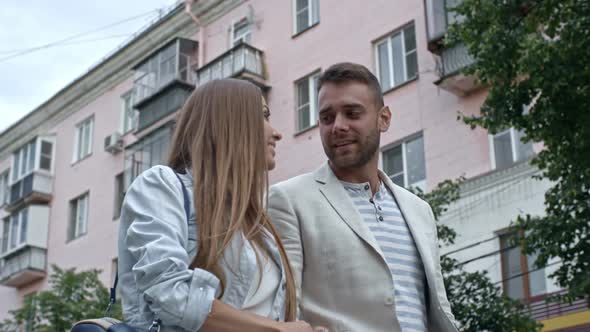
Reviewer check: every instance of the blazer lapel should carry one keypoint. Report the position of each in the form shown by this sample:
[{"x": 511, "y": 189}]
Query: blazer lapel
[
  {"x": 421, "y": 229},
  {"x": 340, "y": 201}
]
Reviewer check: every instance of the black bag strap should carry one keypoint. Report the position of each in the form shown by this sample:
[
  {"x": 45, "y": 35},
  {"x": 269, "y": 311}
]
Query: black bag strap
[{"x": 113, "y": 293}]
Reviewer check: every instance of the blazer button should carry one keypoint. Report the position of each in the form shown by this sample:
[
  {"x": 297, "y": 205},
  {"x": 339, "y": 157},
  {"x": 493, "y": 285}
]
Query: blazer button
[{"x": 388, "y": 300}]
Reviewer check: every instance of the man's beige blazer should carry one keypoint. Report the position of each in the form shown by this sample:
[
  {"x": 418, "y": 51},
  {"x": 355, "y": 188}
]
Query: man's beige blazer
[{"x": 343, "y": 281}]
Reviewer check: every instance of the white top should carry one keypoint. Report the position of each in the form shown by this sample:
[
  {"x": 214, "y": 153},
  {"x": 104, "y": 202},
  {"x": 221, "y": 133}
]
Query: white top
[{"x": 262, "y": 292}]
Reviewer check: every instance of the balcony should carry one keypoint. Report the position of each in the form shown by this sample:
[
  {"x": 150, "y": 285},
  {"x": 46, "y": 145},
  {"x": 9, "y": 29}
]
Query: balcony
[
  {"x": 24, "y": 246},
  {"x": 558, "y": 315},
  {"x": 23, "y": 267},
  {"x": 449, "y": 65},
  {"x": 164, "y": 81},
  {"x": 242, "y": 61},
  {"x": 438, "y": 19},
  {"x": 33, "y": 188}
]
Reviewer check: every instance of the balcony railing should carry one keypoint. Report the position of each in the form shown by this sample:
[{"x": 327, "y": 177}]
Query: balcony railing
[
  {"x": 452, "y": 60},
  {"x": 23, "y": 266},
  {"x": 449, "y": 65},
  {"x": 243, "y": 61},
  {"x": 37, "y": 185},
  {"x": 541, "y": 309}
]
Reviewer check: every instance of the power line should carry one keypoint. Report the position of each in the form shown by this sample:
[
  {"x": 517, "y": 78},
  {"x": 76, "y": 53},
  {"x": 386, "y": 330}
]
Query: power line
[
  {"x": 469, "y": 246},
  {"x": 20, "y": 52},
  {"x": 75, "y": 42},
  {"x": 482, "y": 200},
  {"x": 527, "y": 272},
  {"x": 495, "y": 252}
]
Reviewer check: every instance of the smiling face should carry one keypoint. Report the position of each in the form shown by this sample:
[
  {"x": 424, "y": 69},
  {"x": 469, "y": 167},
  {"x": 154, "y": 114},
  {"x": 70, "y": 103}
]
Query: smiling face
[
  {"x": 271, "y": 137},
  {"x": 350, "y": 124}
]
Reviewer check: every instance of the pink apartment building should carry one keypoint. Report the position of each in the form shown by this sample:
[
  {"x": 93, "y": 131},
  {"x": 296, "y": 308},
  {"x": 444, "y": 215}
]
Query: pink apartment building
[{"x": 65, "y": 166}]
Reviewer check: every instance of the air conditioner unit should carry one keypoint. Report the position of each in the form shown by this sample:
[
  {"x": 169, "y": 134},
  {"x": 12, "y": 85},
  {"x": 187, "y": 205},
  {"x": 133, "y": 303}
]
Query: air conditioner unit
[{"x": 113, "y": 143}]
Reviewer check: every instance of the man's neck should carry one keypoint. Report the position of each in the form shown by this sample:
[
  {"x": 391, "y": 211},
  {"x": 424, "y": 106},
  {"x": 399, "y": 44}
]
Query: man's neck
[{"x": 366, "y": 173}]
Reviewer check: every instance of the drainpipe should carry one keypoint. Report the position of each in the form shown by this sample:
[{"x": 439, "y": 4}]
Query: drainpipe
[{"x": 188, "y": 6}]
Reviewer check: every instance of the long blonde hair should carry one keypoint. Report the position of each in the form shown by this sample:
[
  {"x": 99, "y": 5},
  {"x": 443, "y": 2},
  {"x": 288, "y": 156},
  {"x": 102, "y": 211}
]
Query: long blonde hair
[{"x": 219, "y": 136}]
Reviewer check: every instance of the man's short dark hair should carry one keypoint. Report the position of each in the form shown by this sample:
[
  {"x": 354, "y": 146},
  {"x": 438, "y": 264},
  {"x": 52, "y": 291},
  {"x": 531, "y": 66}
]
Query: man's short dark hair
[{"x": 345, "y": 72}]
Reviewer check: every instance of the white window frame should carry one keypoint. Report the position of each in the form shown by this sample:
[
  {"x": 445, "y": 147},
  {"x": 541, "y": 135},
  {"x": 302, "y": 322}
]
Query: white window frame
[
  {"x": 5, "y": 242},
  {"x": 311, "y": 8},
  {"x": 81, "y": 127},
  {"x": 22, "y": 218},
  {"x": 79, "y": 219},
  {"x": 513, "y": 146},
  {"x": 387, "y": 40},
  {"x": 4, "y": 188},
  {"x": 245, "y": 37},
  {"x": 311, "y": 80},
  {"x": 40, "y": 153},
  {"x": 419, "y": 184},
  {"x": 23, "y": 155},
  {"x": 129, "y": 115},
  {"x": 17, "y": 173}
]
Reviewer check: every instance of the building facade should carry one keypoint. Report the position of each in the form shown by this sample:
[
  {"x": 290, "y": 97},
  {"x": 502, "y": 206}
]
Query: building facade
[{"x": 65, "y": 166}]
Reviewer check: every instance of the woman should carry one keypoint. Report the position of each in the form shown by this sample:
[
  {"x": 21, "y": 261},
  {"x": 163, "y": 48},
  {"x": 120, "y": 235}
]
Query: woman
[{"x": 194, "y": 273}]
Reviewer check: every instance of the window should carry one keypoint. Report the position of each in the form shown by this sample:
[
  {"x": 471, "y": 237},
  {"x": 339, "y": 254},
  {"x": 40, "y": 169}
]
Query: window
[
  {"x": 162, "y": 67},
  {"x": 78, "y": 217},
  {"x": 307, "y": 101},
  {"x": 83, "y": 139},
  {"x": 128, "y": 114},
  {"x": 33, "y": 156},
  {"x": 5, "y": 234},
  {"x": 397, "y": 60},
  {"x": 149, "y": 151},
  {"x": 46, "y": 156},
  {"x": 14, "y": 230},
  {"x": 405, "y": 163},
  {"x": 23, "y": 161},
  {"x": 508, "y": 148},
  {"x": 521, "y": 280},
  {"x": 119, "y": 195},
  {"x": 307, "y": 14},
  {"x": 4, "y": 192},
  {"x": 240, "y": 32}
]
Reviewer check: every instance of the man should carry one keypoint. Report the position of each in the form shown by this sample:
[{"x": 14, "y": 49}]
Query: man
[{"x": 363, "y": 250}]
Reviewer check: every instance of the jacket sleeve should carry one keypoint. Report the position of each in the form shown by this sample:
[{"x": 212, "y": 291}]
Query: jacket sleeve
[
  {"x": 285, "y": 220},
  {"x": 156, "y": 238}
]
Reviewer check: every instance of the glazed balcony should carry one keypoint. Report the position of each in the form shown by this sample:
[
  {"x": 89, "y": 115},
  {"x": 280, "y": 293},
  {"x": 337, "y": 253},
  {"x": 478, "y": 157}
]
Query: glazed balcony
[
  {"x": 164, "y": 81},
  {"x": 241, "y": 61}
]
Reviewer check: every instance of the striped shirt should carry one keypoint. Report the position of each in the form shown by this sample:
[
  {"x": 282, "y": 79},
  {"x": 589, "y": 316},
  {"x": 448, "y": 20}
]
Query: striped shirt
[{"x": 383, "y": 217}]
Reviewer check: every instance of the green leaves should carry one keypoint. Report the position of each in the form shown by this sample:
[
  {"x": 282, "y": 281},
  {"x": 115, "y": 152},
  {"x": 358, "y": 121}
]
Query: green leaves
[
  {"x": 477, "y": 303},
  {"x": 72, "y": 296},
  {"x": 535, "y": 52}
]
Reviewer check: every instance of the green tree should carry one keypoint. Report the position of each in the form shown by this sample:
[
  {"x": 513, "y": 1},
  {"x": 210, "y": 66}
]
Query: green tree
[
  {"x": 536, "y": 53},
  {"x": 73, "y": 296},
  {"x": 478, "y": 304}
]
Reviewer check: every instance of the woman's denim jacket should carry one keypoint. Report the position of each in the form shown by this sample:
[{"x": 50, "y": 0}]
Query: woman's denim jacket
[{"x": 157, "y": 245}]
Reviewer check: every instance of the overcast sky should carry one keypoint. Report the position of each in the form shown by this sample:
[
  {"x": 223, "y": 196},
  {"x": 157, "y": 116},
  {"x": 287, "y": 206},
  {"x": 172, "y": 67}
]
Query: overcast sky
[{"x": 27, "y": 79}]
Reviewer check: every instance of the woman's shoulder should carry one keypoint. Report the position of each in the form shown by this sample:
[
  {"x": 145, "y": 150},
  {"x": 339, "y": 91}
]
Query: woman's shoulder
[
  {"x": 151, "y": 190},
  {"x": 159, "y": 175}
]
